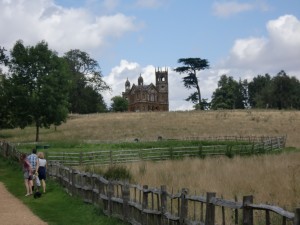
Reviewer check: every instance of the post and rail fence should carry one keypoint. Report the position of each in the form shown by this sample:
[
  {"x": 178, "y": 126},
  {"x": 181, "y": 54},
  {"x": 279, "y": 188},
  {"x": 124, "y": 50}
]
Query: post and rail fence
[
  {"x": 142, "y": 205},
  {"x": 254, "y": 145}
]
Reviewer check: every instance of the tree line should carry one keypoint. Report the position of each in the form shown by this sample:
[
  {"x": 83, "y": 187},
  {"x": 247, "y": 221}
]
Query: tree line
[
  {"x": 40, "y": 88},
  {"x": 279, "y": 92}
]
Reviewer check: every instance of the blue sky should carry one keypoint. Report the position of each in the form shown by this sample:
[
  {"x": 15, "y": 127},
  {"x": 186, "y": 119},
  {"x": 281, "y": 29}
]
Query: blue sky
[{"x": 239, "y": 38}]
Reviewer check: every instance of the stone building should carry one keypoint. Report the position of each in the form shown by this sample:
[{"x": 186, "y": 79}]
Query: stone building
[{"x": 150, "y": 97}]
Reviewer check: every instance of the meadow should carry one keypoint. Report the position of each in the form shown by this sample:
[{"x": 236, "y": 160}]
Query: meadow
[
  {"x": 270, "y": 178},
  {"x": 147, "y": 126}
]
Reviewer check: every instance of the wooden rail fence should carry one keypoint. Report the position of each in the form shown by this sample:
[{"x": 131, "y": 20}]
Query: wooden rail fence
[
  {"x": 143, "y": 205},
  {"x": 256, "y": 145}
]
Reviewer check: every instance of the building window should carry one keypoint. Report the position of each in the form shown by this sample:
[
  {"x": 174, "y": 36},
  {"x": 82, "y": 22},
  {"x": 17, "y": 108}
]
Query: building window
[{"x": 152, "y": 97}]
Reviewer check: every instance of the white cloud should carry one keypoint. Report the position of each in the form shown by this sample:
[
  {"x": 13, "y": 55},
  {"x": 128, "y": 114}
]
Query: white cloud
[
  {"x": 248, "y": 49},
  {"x": 229, "y": 8},
  {"x": 62, "y": 28},
  {"x": 225, "y": 9},
  {"x": 149, "y": 3},
  {"x": 280, "y": 50}
]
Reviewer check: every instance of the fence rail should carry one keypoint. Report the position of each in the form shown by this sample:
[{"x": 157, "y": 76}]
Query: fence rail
[
  {"x": 144, "y": 205},
  {"x": 139, "y": 205},
  {"x": 256, "y": 145}
]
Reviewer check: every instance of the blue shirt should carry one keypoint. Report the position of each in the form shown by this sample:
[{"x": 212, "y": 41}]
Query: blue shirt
[{"x": 32, "y": 158}]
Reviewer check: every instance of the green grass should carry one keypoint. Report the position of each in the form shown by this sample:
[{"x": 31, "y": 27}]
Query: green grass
[
  {"x": 56, "y": 206},
  {"x": 77, "y": 146}
]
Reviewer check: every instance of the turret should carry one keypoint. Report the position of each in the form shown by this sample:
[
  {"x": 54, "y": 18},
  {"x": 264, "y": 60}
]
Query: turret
[{"x": 140, "y": 81}]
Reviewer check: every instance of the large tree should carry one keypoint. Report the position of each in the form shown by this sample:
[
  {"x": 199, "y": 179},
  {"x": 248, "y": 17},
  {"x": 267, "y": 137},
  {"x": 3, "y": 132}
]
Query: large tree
[
  {"x": 284, "y": 89},
  {"x": 230, "y": 94},
  {"x": 87, "y": 83},
  {"x": 190, "y": 67},
  {"x": 7, "y": 118},
  {"x": 259, "y": 91},
  {"x": 38, "y": 86},
  {"x": 119, "y": 104},
  {"x": 279, "y": 92}
]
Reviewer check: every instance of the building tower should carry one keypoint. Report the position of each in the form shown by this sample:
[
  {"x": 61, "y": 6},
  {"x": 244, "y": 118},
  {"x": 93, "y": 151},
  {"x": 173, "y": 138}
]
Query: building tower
[
  {"x": 161, "y": 77},
  {"x": 140, "y": 80},
  {"x": 127, "y": 85}
]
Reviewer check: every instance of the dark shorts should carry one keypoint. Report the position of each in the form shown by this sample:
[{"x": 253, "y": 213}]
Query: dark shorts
[
  {"x": 42, "y": 173},
  {"x": 26, "y": 175}
]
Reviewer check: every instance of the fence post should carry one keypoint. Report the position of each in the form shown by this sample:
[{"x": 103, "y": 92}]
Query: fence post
[
  {"x": 110, "y": 157},
  {"x": 210, "y": 209},
  {"x": 184, "y": 206},
  {"x": 73, "y": 182},
  {"x": 110, "y": 192},
  {"x": 80, "y": 158},
  {"x": 297, "y": 217},
  {"x": 144, "y": 204},
  {"x": 126, "y": 197},
  {"x": 247, "y": 211},
  {"x": 200, "y": 151},
  {"x": 163, "y": 198},
  {"x": 236, "y": 213}
]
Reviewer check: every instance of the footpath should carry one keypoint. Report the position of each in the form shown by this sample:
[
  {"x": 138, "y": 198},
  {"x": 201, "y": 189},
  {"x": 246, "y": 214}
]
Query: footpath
[{"x": 14, "y": 212}]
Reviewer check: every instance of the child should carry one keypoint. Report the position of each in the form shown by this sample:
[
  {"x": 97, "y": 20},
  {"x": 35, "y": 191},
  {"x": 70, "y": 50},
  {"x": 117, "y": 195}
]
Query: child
[{"x": 27, "y": 173}]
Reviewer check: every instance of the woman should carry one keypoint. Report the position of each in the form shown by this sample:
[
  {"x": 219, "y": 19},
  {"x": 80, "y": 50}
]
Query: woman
[
  {"x": 27, "y": 173},
  {"x": 42, "y": 170}
]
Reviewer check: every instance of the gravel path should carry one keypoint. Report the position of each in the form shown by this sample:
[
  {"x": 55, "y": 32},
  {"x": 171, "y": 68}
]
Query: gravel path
[{"x": 14, "y": 212}]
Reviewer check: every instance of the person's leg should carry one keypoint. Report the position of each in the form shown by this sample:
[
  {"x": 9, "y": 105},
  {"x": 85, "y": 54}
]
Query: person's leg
[
  {"x": 30, "y": 184},
  {"x": 44, "y": 185},
  {"x": 27, "y": 187}
]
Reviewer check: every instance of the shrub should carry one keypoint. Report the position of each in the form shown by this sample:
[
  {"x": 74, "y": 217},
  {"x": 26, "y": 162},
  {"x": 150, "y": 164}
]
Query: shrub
[{"x": 117, "y": 173}]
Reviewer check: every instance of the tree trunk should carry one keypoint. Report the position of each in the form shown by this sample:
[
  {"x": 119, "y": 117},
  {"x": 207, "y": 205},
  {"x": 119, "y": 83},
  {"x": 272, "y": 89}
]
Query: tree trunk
[
  {"x": 37, "y": 126},
  {"x": 198, "y": 90},
  {"x": 199, "y": 96}
]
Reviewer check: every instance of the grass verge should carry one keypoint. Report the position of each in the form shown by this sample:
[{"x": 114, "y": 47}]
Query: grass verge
[{"x": 55, "y": 207}]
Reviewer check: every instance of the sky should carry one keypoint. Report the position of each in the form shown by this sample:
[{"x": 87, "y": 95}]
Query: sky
[{"x": 129, "y": 38}]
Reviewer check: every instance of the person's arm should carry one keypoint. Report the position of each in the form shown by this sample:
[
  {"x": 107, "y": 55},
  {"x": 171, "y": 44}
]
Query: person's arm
[
  {"x": 28, "y": 166},
  {"x": 37, "y": 165}
]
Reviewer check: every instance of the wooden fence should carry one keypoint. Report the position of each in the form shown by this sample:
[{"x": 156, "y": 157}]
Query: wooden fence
[
  {"x": 256, "y": 145},
  {"x": 141, "y": 205}
]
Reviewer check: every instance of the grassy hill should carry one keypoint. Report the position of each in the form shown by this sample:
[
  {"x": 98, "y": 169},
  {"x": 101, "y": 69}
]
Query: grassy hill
[{"x": 169, "y": 125}]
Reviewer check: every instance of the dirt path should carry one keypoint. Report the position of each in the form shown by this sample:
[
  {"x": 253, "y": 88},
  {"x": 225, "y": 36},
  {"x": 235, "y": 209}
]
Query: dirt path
[{"x": 14, "y": 212}]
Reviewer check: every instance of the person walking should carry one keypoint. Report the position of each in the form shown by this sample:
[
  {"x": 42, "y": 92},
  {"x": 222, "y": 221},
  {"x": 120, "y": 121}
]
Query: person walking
[
  {"x": 27, "y": 174},
  {"x": 34, "y": 162},
  {"x": 42, "y": 169}
]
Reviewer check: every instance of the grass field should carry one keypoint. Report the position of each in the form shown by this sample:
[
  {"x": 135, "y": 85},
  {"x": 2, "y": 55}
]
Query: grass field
[
  {"x": 270, "y": 178},
  {"x": 148, "y": 126}
]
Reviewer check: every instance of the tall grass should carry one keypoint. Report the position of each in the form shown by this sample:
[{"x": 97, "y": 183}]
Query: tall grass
[
  {"x": 272, "y": 179},
  {"x": 150, "y": 125}
]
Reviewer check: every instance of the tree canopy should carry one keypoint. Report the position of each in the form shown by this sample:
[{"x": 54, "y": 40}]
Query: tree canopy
[
  {"x": 190, "y": 67},
  {"x": 230, "y": 94},
  {"x": 37, "y": 86},
  {"x": 87, "y": 83},
  {"x": 278, "y": 92},
  {"x": 119, "y": 104}
]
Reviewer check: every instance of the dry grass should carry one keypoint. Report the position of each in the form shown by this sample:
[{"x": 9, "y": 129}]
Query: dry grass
[
  {"x": 148, "y": 126},
  {"x": 273, "y": 179}
]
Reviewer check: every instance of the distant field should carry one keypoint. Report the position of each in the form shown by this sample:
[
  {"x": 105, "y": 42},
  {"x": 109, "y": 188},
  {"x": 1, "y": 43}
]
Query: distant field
[{"x": 170, "y": 125}]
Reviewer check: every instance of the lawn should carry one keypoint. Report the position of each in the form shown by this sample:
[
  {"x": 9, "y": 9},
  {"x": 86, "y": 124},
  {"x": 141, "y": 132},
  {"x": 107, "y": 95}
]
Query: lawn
[{"x": 55, "y": 207}]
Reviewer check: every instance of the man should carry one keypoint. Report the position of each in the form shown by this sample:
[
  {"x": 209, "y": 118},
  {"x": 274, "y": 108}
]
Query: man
[{"x": 34, "y": 162}]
